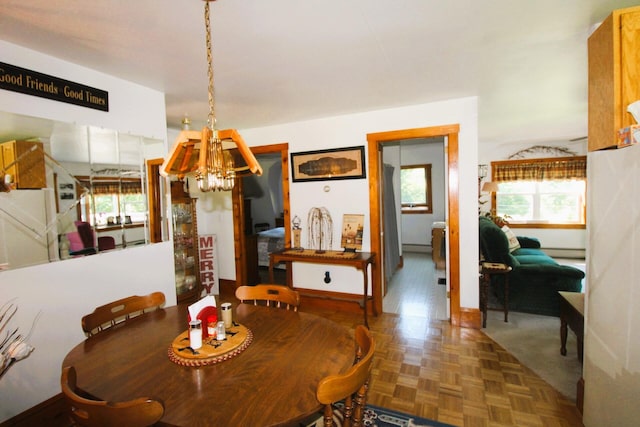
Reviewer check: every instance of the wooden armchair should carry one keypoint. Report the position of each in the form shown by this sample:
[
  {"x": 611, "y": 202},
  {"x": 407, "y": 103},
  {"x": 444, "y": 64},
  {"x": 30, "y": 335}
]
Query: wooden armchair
[
  {"x": 109, "y": 315},
  {"x": 270, "y": 295},
  {"x": 139, "y": 412},
  {"x": 351, "y": 386}
]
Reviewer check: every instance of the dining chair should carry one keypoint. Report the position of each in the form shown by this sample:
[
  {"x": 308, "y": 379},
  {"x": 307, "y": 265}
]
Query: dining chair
[
  {"x": 351, "y": 387},
  {"x": 109, "y": 315},
  {"x": 270, "y": 295},
  {"x": 88, "y": 412}
]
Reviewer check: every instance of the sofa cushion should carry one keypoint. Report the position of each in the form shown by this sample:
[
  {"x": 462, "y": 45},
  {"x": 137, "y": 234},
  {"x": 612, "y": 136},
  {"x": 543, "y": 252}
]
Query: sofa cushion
[
  {"x": 514, "y": 243},
  {"x": 539, "y": 258},
  {"x": 528, "y": 242}
]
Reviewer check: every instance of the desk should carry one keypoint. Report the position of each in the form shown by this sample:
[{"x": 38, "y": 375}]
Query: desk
[
  {"x": 359, "y": 260},
  {"x": 272, "y": 382},
  {"x": 487, "y": 269}
]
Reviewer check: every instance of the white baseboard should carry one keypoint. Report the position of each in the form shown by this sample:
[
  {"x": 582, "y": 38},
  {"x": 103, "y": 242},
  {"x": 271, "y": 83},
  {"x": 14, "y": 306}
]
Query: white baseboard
[
  {"x": 416, "y": 248},
  {"x": 565, "y": 253}
]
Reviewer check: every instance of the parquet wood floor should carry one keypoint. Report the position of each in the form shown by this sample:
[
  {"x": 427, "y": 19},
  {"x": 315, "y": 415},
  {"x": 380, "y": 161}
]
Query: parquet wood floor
[{"x": 429, "y": 368}]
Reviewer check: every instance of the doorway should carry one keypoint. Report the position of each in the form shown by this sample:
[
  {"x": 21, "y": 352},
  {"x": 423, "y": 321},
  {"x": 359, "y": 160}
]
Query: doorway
[
  {"x": 375, "y": 143},
  {"x": 245, "y": 266},
  {"x": 414, "y": 258}
]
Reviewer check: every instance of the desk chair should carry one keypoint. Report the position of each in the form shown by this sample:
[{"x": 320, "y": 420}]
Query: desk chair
[
  {"x": 87, "y": 412},
  {"x": 270, "y": 295},
  {"x": 82, "y": 241},
  {"x": 351, "y": 386},
  {"x": 111, "y": 314}
]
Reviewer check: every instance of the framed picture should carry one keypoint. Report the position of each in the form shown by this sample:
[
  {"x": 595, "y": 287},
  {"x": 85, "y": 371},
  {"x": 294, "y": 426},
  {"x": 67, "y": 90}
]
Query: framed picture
[
  {"x": 322, "y": 165},
  {"x": 352, "y": 230}
]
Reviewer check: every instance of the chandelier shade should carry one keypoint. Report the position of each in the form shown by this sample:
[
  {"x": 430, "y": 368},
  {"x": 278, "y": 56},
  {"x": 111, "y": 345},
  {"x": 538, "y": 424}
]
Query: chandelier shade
[{"x": 191, "y": 151}]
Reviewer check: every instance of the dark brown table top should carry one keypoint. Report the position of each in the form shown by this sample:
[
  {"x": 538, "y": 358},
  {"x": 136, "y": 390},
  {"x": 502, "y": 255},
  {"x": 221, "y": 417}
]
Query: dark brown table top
[{"x": 272, "y": 382}]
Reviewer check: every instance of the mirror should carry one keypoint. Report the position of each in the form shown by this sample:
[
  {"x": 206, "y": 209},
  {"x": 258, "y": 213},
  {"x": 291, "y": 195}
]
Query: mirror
[{"x": 92, "y": 175}]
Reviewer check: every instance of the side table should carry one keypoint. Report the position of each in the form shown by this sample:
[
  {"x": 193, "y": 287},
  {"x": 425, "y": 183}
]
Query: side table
[
  {"x": 487, "y": 269},
  {"x": 571, "y": 315}
]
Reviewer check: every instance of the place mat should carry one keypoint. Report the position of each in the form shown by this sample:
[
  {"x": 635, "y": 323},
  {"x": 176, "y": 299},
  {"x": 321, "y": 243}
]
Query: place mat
[
  {"x": 238, "y": 338},
  {"x": 325, "y": 254}
]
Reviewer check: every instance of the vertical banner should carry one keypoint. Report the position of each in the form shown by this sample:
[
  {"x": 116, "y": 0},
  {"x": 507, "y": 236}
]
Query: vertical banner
[{"x": 208, "y": 256}]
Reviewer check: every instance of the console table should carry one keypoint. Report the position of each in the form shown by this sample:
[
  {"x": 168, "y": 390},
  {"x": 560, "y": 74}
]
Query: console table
[{"x": 359, "y": 260}]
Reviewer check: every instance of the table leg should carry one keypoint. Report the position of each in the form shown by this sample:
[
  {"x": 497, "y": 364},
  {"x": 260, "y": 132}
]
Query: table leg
[
  {"x": 484, "y": 291},
  {"x": 506, "y": 298},
  {"x": 563, "y": 336},
  {"x": 271, "y": 262},
  {"x": 580, "y": 350},
  {"x": 366, "y": 286}
]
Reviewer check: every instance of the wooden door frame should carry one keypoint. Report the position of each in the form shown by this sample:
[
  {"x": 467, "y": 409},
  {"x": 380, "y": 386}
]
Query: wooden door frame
[
  {"x": 375, "y": 141},
  {"x": 238, "y": 210}
]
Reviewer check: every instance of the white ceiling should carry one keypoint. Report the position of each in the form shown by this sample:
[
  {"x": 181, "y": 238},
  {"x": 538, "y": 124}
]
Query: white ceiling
[{"x": 280, "y": 61}]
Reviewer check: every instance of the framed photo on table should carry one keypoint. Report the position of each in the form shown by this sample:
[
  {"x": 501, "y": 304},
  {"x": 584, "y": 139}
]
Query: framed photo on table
[
  {"x": 352, "y": 230},
  {"x": 322, "y": 165}
]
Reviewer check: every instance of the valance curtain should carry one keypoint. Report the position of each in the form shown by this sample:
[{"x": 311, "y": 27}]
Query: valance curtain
[
  {"x": 114, "y": 187},
  {"x": 540, "y": 169}
]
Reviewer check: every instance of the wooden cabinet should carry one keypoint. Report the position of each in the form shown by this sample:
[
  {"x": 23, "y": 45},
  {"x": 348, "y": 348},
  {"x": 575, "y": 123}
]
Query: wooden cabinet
[
  {"x": 185, "y": 245},
  {"x": 614, "y": 76},
  {"x": 28, "y": 171}
]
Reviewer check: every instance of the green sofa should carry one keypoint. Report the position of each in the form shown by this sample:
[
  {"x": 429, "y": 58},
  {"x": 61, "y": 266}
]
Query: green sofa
[{"x": 535, "y": 278}]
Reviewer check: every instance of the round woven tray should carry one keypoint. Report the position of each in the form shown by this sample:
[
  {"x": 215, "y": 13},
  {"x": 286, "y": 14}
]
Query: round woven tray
[{"x": 238, "y": 338}]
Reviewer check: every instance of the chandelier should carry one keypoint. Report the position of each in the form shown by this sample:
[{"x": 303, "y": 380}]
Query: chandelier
[{"x": 216, "y": 158}]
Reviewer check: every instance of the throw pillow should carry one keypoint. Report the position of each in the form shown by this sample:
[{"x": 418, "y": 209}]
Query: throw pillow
[{"x": 511, "y": 237}]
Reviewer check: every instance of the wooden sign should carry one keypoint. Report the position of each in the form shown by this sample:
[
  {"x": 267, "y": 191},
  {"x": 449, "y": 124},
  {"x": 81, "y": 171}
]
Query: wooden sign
[
  {"x": 29, "y": 82},
  {"x": 207, "y": 245}
]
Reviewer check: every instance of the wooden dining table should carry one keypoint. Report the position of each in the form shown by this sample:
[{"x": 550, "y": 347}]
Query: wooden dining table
[{"x": 270, "y": 383}]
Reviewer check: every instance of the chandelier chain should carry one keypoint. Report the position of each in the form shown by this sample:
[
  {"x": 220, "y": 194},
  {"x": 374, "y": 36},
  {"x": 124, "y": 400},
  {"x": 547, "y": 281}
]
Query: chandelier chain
[{"x": 212, "y": 113}]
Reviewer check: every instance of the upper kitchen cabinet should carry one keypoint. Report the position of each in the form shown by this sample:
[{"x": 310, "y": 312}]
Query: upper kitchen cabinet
[
  {"x": 614, "y": 76},
  {"x": 23, "y": 161}
]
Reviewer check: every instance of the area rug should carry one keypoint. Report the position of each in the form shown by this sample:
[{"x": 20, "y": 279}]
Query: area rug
[
  {"x": 535, "y": 341},
  {"x": 375, "y": 416}
]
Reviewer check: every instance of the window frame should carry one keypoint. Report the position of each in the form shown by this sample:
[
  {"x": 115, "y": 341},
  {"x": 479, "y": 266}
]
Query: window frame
[
  {"x": 544, "y": 162},
  {"x": 419, "y": 208},
  {"x": 85, "y": 206}
]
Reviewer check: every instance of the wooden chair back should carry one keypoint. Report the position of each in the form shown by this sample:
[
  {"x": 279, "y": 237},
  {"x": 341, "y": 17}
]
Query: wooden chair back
[
  {"x": 139, "y": 412},
  {"x": 351, "y": 386},
  {"x": 109, "y": 315},
  {"x": 270, "y": 295}
]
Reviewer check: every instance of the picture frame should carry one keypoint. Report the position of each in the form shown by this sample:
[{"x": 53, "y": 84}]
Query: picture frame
[
  {"x": 324, "y": 165},
  {"x": 352, "y": 231}
]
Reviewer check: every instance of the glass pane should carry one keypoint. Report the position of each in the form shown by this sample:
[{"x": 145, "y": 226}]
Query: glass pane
[
  {"x": 105, "y": 207},
  {"x": 557, "y": 201},
  {"x": 413, "y": 186},
  {"x": 518, "y": 206},
  {"x": 135, "y": 206}
]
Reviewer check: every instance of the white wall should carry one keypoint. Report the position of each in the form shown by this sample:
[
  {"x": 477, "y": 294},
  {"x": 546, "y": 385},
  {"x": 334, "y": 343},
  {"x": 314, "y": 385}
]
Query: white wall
[
  {"x": 66, "y": 290},
  {"x": 352, "y": 196}
]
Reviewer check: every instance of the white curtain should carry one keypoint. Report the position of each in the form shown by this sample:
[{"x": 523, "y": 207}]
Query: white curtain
[{"x": 391, "y": 239}]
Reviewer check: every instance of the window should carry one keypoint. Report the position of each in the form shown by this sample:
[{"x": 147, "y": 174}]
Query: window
[
  {"x": 415, "y": 189},
  {"x": 114, "y": 202},
  {"x": 542, "y": 192}
]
